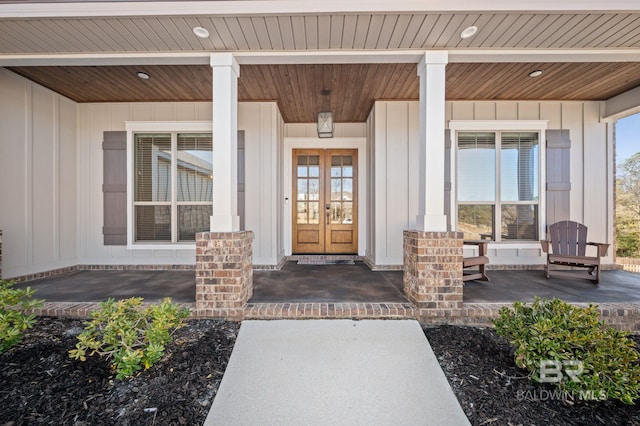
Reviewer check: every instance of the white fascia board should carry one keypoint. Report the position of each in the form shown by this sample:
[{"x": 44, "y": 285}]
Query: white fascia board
[
  {"x": 330, "y": 57},
  {"x": 266, "y": 7},
  {"x": 623, "y": 105},
  {"x": 323, "y": 57},
  {"x": 105, "y": 59},
  {"x": 544, "y": 55}
]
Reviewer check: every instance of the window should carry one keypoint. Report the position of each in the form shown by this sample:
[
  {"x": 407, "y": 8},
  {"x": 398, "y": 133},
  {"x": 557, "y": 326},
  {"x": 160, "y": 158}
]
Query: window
[
  {"x": 172, "y": 186},
  {"x": 498, "y": 185}
]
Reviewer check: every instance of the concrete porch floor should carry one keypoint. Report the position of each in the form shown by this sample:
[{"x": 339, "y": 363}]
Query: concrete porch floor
[
  {"x": 332, "y": 284},
  {"x": 327, "y": 283},
  {"x": 342, "y": 291}
]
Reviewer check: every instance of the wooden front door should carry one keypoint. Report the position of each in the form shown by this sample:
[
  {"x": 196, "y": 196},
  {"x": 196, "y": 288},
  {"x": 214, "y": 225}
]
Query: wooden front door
[{"x": 325, "y": 207}]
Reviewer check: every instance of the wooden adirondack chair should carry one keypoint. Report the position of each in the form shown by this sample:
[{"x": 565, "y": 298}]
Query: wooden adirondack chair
[{"x": 568, "y": 244}]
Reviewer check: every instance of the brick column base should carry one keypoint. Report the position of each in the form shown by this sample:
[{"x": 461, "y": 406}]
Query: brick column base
[
  {"x": 224, "y": 273},
  {"x": 433, "y": 273}
]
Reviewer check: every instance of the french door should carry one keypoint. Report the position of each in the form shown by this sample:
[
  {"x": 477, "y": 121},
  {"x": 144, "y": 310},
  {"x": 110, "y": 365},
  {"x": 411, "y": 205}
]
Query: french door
[{"x": 325, "y": 207}]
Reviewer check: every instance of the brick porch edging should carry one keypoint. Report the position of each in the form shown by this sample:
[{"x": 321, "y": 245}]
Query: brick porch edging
[
  {"x": 623, "y": 316},
  {"x": 269, "y": 311}
]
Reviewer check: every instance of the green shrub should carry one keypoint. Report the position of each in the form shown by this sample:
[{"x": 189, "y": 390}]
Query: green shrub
[
  {"x": 12, "y": 320},
  {"x": 554, "y": 330},
  {"x": 128, "y": 334}
]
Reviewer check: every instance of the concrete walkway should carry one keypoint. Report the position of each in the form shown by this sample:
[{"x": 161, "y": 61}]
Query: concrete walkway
[{"x": 334, "y": 372}]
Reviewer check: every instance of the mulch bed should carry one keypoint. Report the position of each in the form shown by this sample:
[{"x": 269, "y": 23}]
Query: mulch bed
[
  {"x": 42, "y": 385},
  {"x": 492, "y": 390}
]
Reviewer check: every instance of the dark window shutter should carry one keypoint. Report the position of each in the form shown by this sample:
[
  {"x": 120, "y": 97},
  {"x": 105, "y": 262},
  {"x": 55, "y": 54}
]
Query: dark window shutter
[
  {"x": 114, "y": 188},
  {"x": 558, "y": 176},
  {"x": 447, "y": 177}
]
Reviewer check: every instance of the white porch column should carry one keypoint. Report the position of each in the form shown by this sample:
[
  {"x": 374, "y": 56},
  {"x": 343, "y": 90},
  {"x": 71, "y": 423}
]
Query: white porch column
[
  {"x": 225, "y": 143},
  {"x": 431, "y": 214}
]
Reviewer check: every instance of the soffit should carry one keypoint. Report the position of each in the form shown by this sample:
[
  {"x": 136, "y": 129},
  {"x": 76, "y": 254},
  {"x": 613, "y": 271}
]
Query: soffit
[
  {"x": 302, "y": 32},
  {"x": 354, "y": 87},
  {"x": 297, "y": 87}
]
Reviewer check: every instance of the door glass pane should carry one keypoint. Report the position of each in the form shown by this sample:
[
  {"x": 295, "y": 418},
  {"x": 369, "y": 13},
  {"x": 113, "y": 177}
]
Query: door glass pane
[
  {"x": 314, "y": 160},
  {"x": 303, "y": 160},
  {"x": 314, "y": 213},
  {"x": 476, "y": 221},
  {"x": 336, "y": 189},
  {"x": 314, "y": 171},
  {"x": 347, "y": 213},
  {"x": 303, "y": 187},
  {"x": 152, "y": 164},
  {"x": 314, "y": 189},
  {"x": 347, "y": 169},
  {"x": 347, "y": 189},
  {"x": 192, "y": 219},
  {"x": 302, "y": 213},
  {"x": 302, "y": 171},
  {"x": 195, "y": 171},
  {"x": 336, "y": 163},
  {"x": 336, "y": 212},
  {"x": 519, "y": 222}
]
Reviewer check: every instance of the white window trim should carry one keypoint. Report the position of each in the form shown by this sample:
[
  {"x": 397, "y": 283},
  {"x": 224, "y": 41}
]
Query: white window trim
[
  {"x": 154, "y": 126},
  {"x": 539, "y": 126}
]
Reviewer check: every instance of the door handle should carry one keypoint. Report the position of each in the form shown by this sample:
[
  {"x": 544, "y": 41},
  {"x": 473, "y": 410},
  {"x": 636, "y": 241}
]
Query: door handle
[{"x": 328, "y": 209}]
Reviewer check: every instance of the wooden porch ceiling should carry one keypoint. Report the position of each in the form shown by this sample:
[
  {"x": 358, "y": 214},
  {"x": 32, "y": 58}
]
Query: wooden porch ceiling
[{"x": 354, "y": 87}]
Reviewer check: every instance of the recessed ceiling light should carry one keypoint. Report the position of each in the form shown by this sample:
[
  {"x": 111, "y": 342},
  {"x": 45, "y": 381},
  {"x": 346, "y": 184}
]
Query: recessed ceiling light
[
  {"x": 201, "y": 32},
  {"x": 536, "y": 73},
  {"x": 469, "y": 32},
  {"x": 143, "y": 75}
]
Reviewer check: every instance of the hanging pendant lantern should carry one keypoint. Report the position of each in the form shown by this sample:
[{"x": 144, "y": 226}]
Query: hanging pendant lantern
[{"x": 325, "y": 119}]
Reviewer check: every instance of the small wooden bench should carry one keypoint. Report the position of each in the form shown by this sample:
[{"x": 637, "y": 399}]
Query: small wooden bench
[{"x": 481, "y": 260}]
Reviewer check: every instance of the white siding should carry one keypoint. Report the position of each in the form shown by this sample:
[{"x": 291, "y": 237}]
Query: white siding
[
  {"x": 37, "y": 177},
  {"x": 262, "y": 124},
  {"x": 393, "y": 142},
  {"x": 94, "y": 120},
  {"x": 51, "y": 174},
  {"x": 392, "y": 131},
  {"x": 259, "y": 121},
  {"x": 591, "y": 163}
]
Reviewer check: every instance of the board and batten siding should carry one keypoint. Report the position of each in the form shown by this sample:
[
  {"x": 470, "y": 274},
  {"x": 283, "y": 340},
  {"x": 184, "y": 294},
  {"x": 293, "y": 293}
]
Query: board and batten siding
[
  {"x": 262, "y": 125},
  {"x": 258, "y": 120},
  {"x": 393, "y": 133},
  {"x": 37, "y": 177},
  {"x": 591, "y": 162},
  {"x": 393, "y": 125}
]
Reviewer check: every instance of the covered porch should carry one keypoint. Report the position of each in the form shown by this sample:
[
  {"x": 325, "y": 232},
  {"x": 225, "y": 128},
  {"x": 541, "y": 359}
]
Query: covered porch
[
  {"x": 343, "y": 291},
  {"x": 105, "y": 177}
]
